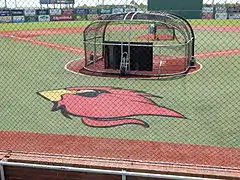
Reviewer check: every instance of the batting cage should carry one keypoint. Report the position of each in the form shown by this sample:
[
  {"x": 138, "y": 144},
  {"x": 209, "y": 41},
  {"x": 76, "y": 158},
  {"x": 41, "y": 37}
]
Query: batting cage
[{"x": 141, "y": 44}]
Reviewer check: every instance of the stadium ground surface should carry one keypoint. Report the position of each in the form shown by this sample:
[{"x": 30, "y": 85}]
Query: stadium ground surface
[{"x": 202, "y": 139}]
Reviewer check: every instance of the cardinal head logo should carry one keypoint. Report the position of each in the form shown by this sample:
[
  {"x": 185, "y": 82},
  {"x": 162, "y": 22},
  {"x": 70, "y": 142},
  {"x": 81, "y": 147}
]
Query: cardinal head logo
[{"x": 106, "y": 106}]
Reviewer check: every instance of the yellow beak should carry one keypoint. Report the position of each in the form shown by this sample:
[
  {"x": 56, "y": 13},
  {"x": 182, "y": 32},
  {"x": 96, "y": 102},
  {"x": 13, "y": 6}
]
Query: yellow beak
[{"x": 55, "y": 95}]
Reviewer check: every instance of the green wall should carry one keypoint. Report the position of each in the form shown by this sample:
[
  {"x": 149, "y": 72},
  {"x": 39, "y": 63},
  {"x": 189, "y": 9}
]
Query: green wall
[{"x": 190, "y": 9}]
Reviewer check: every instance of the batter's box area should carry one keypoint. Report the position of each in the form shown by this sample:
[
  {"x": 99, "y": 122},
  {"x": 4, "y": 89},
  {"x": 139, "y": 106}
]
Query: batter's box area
[{"x": 164, "y": 65}]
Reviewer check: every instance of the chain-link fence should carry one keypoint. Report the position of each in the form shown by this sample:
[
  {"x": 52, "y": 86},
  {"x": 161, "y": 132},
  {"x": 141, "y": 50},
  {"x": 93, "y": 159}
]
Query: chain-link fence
[{"x": 129, "y": 86}]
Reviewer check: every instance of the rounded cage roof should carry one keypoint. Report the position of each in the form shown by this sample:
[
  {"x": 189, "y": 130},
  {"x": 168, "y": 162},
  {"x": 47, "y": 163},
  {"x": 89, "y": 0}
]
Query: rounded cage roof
[{"x": 171, "y": 20}]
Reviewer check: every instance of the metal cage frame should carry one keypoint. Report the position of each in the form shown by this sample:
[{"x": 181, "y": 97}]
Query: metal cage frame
[{"x": 99, "y": 29}]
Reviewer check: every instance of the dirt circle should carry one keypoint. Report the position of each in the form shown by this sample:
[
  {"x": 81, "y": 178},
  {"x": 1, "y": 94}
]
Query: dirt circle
[{"x": 78, "y": 67}]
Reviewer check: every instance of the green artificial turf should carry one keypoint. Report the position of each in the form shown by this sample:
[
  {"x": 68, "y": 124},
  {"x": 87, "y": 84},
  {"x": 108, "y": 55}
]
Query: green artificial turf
[
  {"x": 215, "y": 22},
  {"x": 208, "y": 99},
  {"x": 40, "y": 25}
]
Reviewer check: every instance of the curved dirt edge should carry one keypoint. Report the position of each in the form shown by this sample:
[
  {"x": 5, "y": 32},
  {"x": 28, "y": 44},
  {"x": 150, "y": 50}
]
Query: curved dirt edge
[{"x": 79, "y": 70}]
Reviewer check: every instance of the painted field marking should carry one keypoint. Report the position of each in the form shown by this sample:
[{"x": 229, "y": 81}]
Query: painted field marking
[
  {"x": 81, "y": 50},
  {"x": 50, "y": 44},
  {"x": 71, "y": 71}
]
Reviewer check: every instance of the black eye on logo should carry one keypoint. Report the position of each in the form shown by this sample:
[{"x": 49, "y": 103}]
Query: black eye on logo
[{"x": 91, "y": 93}]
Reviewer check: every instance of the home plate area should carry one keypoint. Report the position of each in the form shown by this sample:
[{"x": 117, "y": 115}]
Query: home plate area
[{"x": 167, "y": 65}]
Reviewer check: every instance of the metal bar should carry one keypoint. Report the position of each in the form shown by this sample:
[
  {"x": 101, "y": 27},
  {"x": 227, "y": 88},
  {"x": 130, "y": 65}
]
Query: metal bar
[
  {"x": 91, "y": 38},
  {"x": 100, "y": 171},
  {"x": 2, "y": 172},
  {"x": 141, "y": 74},
  {"x": 170, "y": 45},
  {"x": 134, "y": 15},
  {"x": 124, "y": 176},
  {"x": 125, "y": 17}
]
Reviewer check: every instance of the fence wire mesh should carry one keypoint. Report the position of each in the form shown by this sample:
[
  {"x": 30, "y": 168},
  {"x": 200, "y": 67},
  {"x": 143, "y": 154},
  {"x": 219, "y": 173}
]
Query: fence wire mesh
[{"x": 60, "y": 95}]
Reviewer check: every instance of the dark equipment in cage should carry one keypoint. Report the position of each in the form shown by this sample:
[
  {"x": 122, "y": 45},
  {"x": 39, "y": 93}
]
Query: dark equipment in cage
[{"x": 143, "y": 44}]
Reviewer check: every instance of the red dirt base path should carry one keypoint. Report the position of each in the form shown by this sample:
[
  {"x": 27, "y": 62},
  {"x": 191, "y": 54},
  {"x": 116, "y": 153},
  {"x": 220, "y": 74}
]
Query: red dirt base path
[{"x": 136, "y": 151}]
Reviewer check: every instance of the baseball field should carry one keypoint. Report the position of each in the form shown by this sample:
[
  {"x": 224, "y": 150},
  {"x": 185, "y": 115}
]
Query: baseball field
[{"x": 191, "y": 119}]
